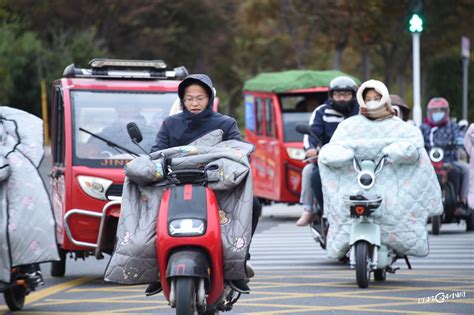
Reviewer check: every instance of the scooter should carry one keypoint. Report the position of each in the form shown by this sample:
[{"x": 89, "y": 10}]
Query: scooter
[
  {"x": 442, "y": 170},
  {"x": 320, "y": 226},
  {"x": 24, "y": 280},
  {"x": 188, "y": 233},
  {"x": 367, "y": 253}
]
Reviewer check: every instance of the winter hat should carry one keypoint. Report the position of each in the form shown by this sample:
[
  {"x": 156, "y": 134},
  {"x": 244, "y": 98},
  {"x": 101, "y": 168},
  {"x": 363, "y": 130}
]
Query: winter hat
[{"x": 384, "y": 109}]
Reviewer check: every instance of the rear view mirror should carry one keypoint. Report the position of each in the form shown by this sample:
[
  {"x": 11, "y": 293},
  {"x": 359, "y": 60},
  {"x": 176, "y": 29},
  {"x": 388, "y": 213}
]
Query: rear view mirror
[
  {"x": 134, "y": 132},
  {"x": 303, "y": 128}
]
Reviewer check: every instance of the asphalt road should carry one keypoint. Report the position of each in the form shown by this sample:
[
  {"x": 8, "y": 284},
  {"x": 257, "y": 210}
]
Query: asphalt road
[{"x": 293, "y": 275}]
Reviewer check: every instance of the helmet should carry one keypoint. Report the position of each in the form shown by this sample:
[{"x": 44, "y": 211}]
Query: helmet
[
  {"x": 438, "y": 111},
  {"x": 438, "y": 102},
  {"x": 342, "y": 83}
]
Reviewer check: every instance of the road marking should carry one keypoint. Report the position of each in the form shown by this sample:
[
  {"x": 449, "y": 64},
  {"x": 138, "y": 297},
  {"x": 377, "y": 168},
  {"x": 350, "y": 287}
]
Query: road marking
[{"x": 43, "y": 293}]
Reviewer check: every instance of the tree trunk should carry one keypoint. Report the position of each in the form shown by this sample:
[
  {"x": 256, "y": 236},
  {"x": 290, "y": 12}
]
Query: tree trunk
[{"x": 366, "y": 74}]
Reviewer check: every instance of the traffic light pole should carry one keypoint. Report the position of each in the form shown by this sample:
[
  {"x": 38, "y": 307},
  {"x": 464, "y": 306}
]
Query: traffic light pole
[{"x": 416, "y": 79}]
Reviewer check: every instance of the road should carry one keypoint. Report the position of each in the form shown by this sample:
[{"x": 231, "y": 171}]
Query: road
[{"x": 292, "y": 276}]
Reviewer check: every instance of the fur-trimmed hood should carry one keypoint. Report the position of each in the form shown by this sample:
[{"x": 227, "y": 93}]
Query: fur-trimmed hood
[
  {"x": 377, "y": 86},
  {"x": 384, "y": 109}
]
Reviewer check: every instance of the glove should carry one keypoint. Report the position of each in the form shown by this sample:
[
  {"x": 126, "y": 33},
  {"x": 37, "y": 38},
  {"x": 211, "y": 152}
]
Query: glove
[{"x": 460, "y": 142}]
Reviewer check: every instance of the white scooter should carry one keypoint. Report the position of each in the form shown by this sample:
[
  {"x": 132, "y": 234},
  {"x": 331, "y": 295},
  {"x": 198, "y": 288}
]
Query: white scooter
[{"x": 367, "y": 253}]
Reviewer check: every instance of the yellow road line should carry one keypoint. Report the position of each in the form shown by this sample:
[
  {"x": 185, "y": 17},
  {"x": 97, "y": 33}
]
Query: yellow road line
[{"x": 41, "y": 294}]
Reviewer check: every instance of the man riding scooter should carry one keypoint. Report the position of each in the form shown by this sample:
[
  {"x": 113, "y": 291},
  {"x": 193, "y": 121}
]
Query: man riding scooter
[
  {"x": 324, "y": 120},
  {"x": 439, "y": 131}
]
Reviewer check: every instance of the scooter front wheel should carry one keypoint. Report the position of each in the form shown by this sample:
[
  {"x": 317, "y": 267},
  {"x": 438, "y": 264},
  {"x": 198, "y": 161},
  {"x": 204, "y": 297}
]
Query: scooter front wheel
[
  {"x": 435, "y": 224},
  {"x": 362, "y": 264},
  {"x": 15, "y": 297},
  {"x": 185, "y": 296}
]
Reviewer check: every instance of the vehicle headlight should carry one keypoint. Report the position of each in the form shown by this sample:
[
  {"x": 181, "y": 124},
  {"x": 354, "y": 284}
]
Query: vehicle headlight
[
  {"x": 296, "y": 154},
  {"x": 94, "y": 187},
  {"x": 187, "y": 227}
]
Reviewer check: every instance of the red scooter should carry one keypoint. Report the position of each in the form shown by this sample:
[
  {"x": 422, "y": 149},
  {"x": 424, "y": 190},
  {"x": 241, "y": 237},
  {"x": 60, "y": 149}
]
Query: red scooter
[
  {"x": 442, "y": 170},
  {"x": 188, "y": 241}
]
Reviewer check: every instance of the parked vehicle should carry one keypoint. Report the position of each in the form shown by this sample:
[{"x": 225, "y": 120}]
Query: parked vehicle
[
  {"x": 86, "y": 171},
  {"x": 271, "y": 114},
  {"x": 450, "y": 195}
]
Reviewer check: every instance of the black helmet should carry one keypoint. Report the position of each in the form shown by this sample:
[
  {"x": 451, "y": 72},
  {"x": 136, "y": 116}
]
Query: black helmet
[{"x": 342, "y": 83}]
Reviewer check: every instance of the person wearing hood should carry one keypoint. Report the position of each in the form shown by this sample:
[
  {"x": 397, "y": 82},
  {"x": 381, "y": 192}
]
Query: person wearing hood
[
  {"x": 340, "y": 105},
  {"x": 439, "y": 130},
  {"x": 402, "y": 110},
  {"x": 197, "y": 118}
]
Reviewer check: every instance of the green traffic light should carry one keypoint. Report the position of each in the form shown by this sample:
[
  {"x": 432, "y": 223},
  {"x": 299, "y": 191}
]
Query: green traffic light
[{"x": 416, "y": 23}]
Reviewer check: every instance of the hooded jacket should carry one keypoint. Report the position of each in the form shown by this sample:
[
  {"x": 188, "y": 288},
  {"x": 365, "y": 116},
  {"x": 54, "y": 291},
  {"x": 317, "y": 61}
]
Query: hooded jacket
[{"x": 185, "y": 127}]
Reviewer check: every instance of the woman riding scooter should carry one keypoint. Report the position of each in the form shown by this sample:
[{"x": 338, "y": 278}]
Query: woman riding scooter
[{"x": 377, "y": 162}]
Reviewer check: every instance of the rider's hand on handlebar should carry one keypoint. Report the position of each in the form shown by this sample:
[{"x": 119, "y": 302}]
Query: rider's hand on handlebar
[{"x": 312, "y": 153}]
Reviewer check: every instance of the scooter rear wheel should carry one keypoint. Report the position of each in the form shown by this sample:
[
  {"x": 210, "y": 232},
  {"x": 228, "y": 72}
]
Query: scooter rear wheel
[
  {"x": 362, "y": 264},
  {"x": 380, "y": 274},
  {"x": 15, "y": 297},
  {"x": 185, "y": 296}
]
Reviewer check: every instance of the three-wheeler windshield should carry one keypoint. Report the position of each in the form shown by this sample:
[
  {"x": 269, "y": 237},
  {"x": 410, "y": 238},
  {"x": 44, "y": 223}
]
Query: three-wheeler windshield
[{"x": 107, "y": 114}]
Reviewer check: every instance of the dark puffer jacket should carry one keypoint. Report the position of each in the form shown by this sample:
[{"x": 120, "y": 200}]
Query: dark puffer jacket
[
  {"x": 185, "y": 127},
  {"x": 325, "y": 121},
  {"x": 442, "y": 136}
]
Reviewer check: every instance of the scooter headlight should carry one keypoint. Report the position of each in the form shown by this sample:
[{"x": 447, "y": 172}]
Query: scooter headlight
[
  {"x": 436, "y": 155},
  {"x": 366, "y": 179},
  {"x": 187, "y": 227}
]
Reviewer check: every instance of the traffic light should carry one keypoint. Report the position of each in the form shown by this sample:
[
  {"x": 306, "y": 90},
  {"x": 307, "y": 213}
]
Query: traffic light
[
  {"x": 415, "y": 9},
  {"x": 416, "y": 23}
]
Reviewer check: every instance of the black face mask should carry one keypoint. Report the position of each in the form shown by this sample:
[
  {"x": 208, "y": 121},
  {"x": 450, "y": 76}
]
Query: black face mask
[{"x": 344, "y": 107}]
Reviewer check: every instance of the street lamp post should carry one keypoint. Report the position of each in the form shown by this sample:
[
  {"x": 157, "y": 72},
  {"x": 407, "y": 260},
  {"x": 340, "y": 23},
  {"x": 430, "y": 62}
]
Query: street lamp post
[{"x": 416, "y": 26}]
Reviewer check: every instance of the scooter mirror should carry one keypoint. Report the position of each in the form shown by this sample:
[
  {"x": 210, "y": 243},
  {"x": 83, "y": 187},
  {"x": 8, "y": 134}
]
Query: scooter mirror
[
  {"x": 134, "y": 132},
  {"x": 303, "y": 128}
]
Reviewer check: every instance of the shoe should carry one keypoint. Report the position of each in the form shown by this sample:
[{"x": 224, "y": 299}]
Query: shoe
[
  {"x": 306, "y": 218},
  {"x": 460, "y": 212},
  {"x": 240, "y": 285},
  {"x": 249, "y": 269},
  {"x": 153, "y": 288}
]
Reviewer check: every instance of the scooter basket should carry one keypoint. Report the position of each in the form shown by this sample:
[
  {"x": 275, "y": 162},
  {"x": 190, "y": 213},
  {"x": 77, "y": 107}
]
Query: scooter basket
[{"x": 362, "y": 204}]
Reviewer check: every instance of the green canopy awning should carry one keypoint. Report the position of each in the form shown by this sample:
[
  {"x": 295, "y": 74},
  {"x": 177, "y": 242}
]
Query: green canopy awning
[{"x": 285, "y": 81}]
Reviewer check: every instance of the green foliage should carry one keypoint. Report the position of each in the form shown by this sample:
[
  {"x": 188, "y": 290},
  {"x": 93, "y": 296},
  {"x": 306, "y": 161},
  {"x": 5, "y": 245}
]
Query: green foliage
[
  {"x": 18, "y": 67},
  {"x": 231, "y": 40},
  {"x": 444, "y": 79}
]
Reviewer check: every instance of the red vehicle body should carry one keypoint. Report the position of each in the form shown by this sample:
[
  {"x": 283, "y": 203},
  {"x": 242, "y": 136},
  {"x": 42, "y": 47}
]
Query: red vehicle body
[
  {"x": 271, "y": 114},
  {"x": 86, "y": 174}
]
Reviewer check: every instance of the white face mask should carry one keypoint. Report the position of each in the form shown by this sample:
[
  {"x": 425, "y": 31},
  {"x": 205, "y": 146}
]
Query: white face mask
[{"x": 372, "y": 104}]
